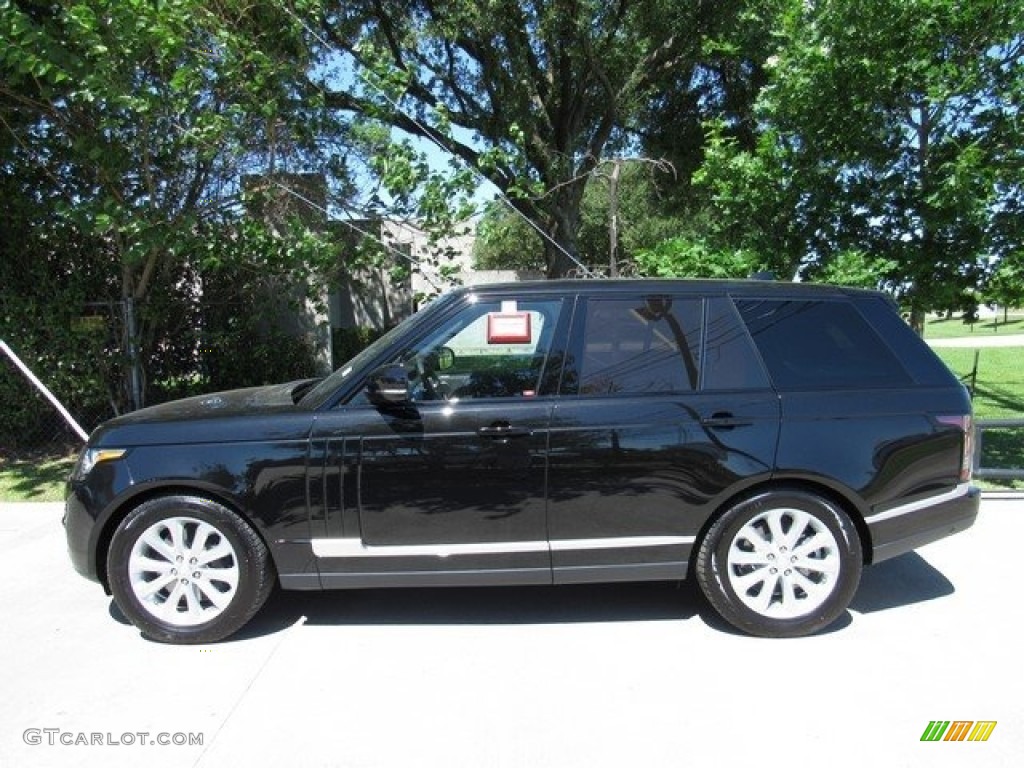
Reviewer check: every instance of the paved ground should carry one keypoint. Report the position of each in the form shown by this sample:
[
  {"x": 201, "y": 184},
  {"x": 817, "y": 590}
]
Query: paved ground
[
  {"x": 972, "y": 342},
  {"x": 636, "y": 675}
]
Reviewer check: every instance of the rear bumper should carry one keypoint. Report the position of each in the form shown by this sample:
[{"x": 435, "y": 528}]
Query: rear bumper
[{"x": 900, "y": 529}]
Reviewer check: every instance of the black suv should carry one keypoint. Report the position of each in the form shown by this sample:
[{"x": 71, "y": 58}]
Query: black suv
[{"x": 768, "y": 438}]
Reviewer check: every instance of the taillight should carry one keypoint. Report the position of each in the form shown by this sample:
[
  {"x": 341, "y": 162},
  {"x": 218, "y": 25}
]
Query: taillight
[{"x": 965, "y": 423}]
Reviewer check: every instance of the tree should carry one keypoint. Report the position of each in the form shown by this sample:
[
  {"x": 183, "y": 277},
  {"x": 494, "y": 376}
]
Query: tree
[
  {"x": 141, "y": 119},
  {"x": 532, "y": 96},
  {"x": 885, "y": 129},
  {"x": 1006, "y": 285},
  {"x": 506, "y": 241},
  {"x": 694, "y": 258}
]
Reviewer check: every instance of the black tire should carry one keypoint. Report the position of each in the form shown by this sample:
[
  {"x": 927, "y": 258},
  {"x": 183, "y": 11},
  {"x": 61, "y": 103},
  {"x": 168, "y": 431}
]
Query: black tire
[
  {"x": 783, "y": 563},
  {"x": 185, "y": 569}
]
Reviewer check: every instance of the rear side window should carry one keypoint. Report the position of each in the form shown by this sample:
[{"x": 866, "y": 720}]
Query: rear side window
[
  {"x": 640, "y": 345},
  {"x": 819, "y": 345}
]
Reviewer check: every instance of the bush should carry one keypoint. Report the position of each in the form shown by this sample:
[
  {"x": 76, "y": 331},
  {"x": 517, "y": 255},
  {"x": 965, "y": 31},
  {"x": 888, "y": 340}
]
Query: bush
[{"x": 346, "y": 343}]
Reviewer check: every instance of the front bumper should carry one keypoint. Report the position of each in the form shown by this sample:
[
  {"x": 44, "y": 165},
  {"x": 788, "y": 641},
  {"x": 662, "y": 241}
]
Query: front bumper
[{"x": 80, "y": 530}]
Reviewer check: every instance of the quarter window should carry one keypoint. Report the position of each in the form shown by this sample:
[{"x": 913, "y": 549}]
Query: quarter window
[
  {"x": 730, "y": 360},
  {"x": 819, "y": 345}
]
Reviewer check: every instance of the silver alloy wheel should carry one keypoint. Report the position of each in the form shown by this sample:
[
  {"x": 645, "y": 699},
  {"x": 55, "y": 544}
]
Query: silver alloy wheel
[
  {"x": 183, "y": 571},
  {"x": 783, "y": 563}
]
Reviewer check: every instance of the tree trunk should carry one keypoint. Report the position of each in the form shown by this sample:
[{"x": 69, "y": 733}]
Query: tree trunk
[
  {"x": 559, "y": 255},
  {"x": 561, "y": 247},
  {"x": 613, "y": 218},
  {"x": 917, "y": 314}
]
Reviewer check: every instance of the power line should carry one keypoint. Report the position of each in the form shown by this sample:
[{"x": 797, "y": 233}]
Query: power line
[{"x": 431, "y": 136}]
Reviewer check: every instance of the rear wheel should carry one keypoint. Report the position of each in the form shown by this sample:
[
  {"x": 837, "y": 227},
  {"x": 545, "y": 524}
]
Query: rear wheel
[
  {"x": 783, "y": 563},
  {"x": 185, "y": 569}
]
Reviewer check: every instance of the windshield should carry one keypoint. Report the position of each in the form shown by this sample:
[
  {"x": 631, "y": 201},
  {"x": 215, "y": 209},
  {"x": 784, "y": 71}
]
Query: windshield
[{"x": 323, "y": 391}]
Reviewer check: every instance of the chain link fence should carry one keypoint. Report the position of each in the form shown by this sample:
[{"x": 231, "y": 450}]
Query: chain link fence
[{"x": 41, "y": 425}]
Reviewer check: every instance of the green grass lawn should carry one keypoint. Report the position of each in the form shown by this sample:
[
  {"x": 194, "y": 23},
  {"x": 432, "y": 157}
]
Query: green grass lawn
[
  {"x": 999, "y": 394},
  {"x": 36, "y": 479},
  {"x": 954, "y": 327}
]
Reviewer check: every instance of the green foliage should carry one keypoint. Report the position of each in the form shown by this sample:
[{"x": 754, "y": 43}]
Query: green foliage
[
  {"x": 855, "y": 269},
  {"x": 247, "y": 266},
  {"x": 71, "y": 357},
  {"x": 505, "y": 241},
  {"x": 683, "y": 257},
  {"x": 884, "y": 129},
  {"x": 346, "y": 343},
  {"x": 248, "y": 354},
  {"x": 129, "y": 124},
  {"x": 1006, "y": 285},
  {"x": 45, "y": 317}
]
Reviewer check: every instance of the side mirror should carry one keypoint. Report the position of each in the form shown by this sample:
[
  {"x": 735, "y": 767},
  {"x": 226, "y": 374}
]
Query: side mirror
[
  {"x": 388, "y": 385},
  {"x": 445, "y": 358}
]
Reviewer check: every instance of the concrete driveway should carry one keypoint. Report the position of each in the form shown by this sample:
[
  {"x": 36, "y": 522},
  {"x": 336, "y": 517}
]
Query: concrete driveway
[
  {"x": 634, "y": 675},
  {"x": 975, "y": 342}
]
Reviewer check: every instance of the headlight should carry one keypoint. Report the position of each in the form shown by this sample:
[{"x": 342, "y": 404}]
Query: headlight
[{"x": 92, "y": 456}]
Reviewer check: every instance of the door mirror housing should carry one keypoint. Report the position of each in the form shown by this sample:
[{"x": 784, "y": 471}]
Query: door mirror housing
[{"x": 388, "y": 385}]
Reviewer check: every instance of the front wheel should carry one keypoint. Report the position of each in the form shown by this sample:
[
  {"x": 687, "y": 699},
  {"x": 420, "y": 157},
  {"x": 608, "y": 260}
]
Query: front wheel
[
  {"x": 783, "y": 563},
  {"x": 185, "y": 569}
]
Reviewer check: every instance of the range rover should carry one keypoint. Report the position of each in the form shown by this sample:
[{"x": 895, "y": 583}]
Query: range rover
[{"x": 767, "y": 439}]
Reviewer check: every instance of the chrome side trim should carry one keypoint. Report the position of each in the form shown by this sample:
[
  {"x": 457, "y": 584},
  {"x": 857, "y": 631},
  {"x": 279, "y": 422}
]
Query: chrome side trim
[
  {"x": 625, "y": 542},
  {"x": 355, "y": 548},
  {"x": 916, "y": 506},
  {"x": 351, "y": 547}
]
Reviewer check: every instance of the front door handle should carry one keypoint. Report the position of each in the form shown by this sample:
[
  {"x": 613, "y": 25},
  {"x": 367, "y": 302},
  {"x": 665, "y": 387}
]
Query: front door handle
[{"x": 503, "y": 430}]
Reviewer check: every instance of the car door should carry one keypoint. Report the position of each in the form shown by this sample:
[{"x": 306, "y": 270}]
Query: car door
[
  {"x": 665, "y": 411},
  {"x": 447, "y": 487}
]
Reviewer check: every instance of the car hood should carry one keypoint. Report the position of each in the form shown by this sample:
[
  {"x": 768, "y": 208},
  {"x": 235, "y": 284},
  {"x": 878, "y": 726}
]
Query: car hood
[
  {"x": 218, "y": 404},
  {"x": 241, "y": 414}
]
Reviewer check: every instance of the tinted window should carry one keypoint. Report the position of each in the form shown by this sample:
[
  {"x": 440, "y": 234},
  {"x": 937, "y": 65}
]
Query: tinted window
[
  {"x": 819, "y": 344},
  {"x": 916, "y": 356},
  {"x": 730, "y": 360},
  {"x": 645, "y": 344}
]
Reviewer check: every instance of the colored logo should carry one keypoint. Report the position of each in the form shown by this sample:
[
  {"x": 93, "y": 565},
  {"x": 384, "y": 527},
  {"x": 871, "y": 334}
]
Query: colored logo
[{"x": 958, "y": 730}]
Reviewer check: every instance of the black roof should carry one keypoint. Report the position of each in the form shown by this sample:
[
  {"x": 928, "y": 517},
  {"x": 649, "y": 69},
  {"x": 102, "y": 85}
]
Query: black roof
[{"x": 759, "y": 288}]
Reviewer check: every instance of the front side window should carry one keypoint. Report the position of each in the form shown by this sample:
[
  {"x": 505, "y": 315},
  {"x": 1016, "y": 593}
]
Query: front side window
[
  {"x": 640, "y": 345},
  {"x": 490, "y": 348}
]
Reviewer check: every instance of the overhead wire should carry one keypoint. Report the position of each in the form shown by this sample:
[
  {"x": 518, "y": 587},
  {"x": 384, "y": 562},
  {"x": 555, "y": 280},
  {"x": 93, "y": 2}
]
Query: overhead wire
[
  {"x": 431, "y": 135},
  {"x": 351, "y": 225}
]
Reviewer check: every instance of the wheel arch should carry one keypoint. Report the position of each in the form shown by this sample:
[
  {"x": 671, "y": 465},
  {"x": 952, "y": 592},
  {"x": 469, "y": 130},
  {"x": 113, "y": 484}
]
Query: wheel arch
[
  {"x": 836, "y": 495},
  {"x": 128, "y": 503}
]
